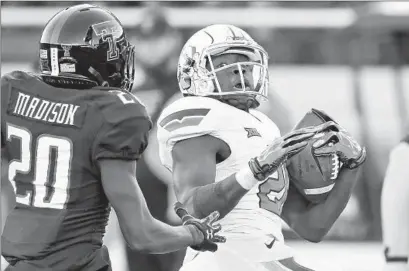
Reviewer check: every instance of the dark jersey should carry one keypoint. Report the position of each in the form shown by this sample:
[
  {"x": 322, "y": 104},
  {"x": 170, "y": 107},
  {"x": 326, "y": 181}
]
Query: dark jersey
[{"x": 52, "y": 138}]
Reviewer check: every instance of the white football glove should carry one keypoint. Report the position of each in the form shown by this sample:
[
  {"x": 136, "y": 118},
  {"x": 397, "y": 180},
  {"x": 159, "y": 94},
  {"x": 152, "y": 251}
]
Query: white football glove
[
  {"x": 350, "y": 153},
  {"x": 284, "y": 148}
]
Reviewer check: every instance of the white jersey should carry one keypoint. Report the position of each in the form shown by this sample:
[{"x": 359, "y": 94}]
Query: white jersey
[
  {"x": 247, "y": 134},
  {"x": 395, "y": 221}
]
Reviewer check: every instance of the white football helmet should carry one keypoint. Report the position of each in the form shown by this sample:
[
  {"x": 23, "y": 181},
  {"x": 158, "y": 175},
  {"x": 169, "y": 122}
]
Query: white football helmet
[{"x": 195, "y": 79}]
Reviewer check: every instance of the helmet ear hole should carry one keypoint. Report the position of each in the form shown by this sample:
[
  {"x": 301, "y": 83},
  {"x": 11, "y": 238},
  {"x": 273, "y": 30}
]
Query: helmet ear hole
[
  {"x": 189, "y": 62},
  {"x": 185, "y": 82}
]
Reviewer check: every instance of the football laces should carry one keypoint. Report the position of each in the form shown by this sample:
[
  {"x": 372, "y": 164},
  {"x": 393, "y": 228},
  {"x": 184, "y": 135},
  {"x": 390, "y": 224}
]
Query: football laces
[{"x": 336, "y": 165}]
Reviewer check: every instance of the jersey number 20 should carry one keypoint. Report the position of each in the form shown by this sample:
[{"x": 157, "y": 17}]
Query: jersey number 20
[{"x": 44, "y": 193}]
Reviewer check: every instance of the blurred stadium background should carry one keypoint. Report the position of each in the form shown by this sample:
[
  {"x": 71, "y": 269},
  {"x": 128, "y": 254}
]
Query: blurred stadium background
[{"x": 347, "y": 58}]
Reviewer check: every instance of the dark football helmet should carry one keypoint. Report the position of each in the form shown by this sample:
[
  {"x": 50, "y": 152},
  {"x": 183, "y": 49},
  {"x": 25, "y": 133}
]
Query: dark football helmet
[{"x": 86, "y": 46}]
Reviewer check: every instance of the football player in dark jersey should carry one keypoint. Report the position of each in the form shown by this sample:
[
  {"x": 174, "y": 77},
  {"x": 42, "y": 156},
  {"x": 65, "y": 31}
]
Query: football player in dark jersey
[{"x": 71, "y": 137}]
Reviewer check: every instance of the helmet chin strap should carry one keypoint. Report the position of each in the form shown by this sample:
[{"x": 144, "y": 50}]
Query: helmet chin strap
[
  {"x": 240, "y": 101},
  {"x": 243, "y": 102},
  {"x": 97, "y": 75}
]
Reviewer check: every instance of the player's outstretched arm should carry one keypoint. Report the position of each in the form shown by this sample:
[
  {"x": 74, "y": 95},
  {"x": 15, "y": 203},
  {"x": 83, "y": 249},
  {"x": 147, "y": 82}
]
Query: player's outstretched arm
[
  {"x": 118, "y": 144},
  {"x": 194, "y": 173},
  {"x": 313, "y": 221},
  {"x": 142, "y": 232}
]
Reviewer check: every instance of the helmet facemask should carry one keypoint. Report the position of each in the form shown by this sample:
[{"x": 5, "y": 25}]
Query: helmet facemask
[
  {"x": 256, "y": 69},
  {"x": 253, "y": 79},
  {"x": 127, "y": 54}
]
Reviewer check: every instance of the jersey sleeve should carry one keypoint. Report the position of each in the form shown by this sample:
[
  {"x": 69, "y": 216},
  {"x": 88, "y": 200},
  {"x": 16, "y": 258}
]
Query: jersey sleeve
[
  {"x": 124, "y": 133},
  {"x": 189, "y": 118}
]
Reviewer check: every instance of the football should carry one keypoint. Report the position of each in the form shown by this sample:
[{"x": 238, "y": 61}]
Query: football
[{"x": 313, "y": 176}]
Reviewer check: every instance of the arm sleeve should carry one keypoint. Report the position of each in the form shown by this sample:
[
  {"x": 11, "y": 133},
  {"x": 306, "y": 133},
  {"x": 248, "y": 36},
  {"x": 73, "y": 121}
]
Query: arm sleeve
[{"x": 124, "y": 134}]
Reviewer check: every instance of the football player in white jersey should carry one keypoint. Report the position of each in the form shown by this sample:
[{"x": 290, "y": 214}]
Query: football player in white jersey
[
  {"x": 395, "y": 209},
  {"x": 225, "y": 155}
]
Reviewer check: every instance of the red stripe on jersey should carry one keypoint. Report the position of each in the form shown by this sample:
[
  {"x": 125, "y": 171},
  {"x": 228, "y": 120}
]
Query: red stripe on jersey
[
  {"x": 291, "y": 264},
  {"x": 188, "y": 117}
]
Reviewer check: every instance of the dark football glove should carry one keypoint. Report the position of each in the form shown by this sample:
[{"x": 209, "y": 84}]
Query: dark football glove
[
  {"x": 284, "y": 148},
  {"x": 207, "y": 226},
  {"x": 350, "y": 153}
]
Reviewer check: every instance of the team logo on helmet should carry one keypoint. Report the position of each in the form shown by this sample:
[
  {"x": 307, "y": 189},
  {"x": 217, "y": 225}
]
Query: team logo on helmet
[
  {"x": 106, "y": 31},
  {"x": 188, "y": 68}
]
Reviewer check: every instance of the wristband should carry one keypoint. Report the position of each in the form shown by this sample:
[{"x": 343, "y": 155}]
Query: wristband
[{"x": 245, "y": 178}]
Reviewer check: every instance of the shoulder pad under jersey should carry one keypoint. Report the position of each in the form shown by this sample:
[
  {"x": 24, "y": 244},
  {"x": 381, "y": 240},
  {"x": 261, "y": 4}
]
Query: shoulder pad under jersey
[
  {"x": 266, "y": 121},
  {"x": 17, "y": 76},
  {"x": 124, "y": 133},
  {"x": 13, "y": 78}
]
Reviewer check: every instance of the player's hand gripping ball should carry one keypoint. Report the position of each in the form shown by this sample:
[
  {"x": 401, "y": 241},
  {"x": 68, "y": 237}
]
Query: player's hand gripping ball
[{"x": 315, "y": 169}]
